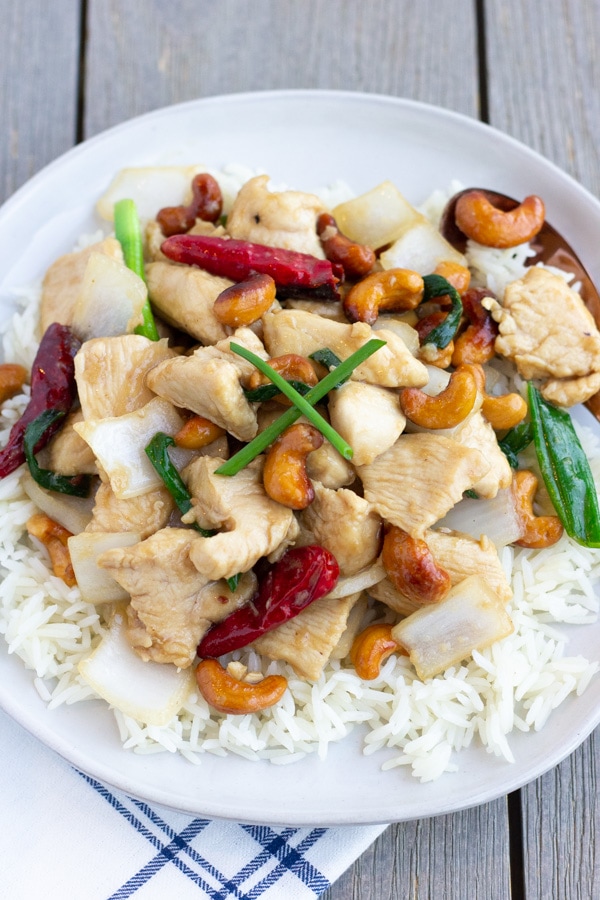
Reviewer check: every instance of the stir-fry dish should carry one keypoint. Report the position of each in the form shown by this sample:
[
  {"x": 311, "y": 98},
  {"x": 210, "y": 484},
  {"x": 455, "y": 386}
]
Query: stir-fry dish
[{"x": 284, "y": 465}]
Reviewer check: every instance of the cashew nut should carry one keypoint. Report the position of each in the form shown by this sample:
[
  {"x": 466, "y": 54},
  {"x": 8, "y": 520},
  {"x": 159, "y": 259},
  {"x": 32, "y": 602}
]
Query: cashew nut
[
  {"x": 290, "y": 366},
  {"x": 503, "y": 411},
  {"x": 446, "y": 409},
  {"x": 229, "y": 695},
  {"x": 370, "y": 649},
  {"x": 356, "y": 260},
  {"x": 245, "y": 302},
  {"x": 12, "y": 379},
  {"x": 412, "y": 569},
  {"x": 458, "y": 276},
  {"x": 476, "y": 343},
  {"x": 198, "y": 432},
  {"x": 538, "y": 531},
  {"x": 482, "y": 222},
  {"x": 284, "y": 474},
  {"x": 393, "y": 289},
  {"x": 54, "y": 537},
  {"x": 207, "y": 204}
]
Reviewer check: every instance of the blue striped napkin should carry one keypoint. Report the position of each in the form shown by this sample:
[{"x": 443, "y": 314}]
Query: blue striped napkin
[{"x": 65, "y": 835}]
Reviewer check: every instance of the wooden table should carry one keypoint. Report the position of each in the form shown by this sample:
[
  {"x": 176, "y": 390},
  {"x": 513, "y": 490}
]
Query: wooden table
[{"x": 71, "y": 68}]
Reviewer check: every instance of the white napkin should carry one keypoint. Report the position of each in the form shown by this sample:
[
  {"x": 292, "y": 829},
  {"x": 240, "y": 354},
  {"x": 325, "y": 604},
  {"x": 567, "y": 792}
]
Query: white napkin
[{"x": 65, "y": 835}]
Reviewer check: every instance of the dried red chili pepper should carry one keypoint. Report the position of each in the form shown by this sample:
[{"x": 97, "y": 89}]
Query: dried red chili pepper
[
  {"x": 294, "y": 273},
  {"x": 52, "y": 387},
  {"x": 302, "y": 575}
]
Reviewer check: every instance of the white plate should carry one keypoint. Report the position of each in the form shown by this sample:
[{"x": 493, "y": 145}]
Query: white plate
[{"x": 304, "y": 139}]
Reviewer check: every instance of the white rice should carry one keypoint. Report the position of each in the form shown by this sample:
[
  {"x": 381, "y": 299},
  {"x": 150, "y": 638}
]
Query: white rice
[{"x": 515, "y": 684}]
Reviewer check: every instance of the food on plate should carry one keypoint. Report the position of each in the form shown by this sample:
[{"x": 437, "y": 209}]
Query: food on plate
[{"x": 308, "y": 451}]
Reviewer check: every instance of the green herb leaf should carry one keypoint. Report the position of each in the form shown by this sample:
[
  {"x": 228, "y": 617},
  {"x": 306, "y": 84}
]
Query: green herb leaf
[
  {"x": 327, "y": 358},
  {"x": 128, "y": 233},
  {"x": 158, "y": 453},
  {"x": 515, "y": 441},
  {"x": 565, "y": 470},
  {"x": 268, "y": 391},
  {"x": 232, "y": 583},
  {"x": 437, "y": 286},
  {"x": 263, "y": 440},
  {"x": 74, "y": 485}
]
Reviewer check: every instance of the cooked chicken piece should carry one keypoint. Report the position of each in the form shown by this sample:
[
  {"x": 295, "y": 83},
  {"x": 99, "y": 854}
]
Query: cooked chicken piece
[
  {"x": 111, "y": 374},
  {"x": 478, "y": 434},
  {"x": 62, "y": 282},
  {"x": 368, "y": 417},
  {"x": 209, "y": 386},
  {"x": 461, "y": 556},
  {"x": 306, "y": 641},
  {"x": 69, "y": 453},
  {"x": 277, "y": 218},
  {"x": 247, "y": 338},
  {"x": 415, "y": 482},
  {"x": 346, "y": 525},
  {"x": 329, "y": 467},
  {"x": 145, "y": 514},
  {"x": 296, "y": 331},
  {"x": 209, "y": 382},
  {"x": 154, "y": 239},
  {"x": 548, "y": 332},
  {"x": 254, "y": 525},
  {"x": 353, "y": 626},
  {"x": 327, "y": 309},
  {"x": 184, "y": 297},
  {"x": 172, "y": 604},
  {"x": 569, "y": 392}
]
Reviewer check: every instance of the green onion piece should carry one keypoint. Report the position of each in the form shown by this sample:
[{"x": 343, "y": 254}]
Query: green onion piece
[
  {"x": 515, "y": 441},
  {"x": 74, "y": 485},
  {"x": 343, "y": 448},
  {"x": 565, "y": 470},
  {"x": 158, "y": 454},
  {"x": 471, "y": 494},
  {"x": 127, "y": 231},
  {"x": 436, "y": 286},
  {"x": 244, "y": 456},
  {"x": 233, "y": 582},
  {"x": 268, "y": 391},
  {"x": 326, "y": 357}
]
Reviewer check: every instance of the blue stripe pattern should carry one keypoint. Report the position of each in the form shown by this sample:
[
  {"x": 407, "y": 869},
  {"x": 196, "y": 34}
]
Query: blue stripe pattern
[{"x": 279, "y": 853}]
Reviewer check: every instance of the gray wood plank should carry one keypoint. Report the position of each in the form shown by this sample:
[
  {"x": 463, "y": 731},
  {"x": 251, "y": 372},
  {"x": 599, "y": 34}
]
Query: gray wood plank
[
  {"x": 544, "y": 72},
  {"x": 543, "y": 76},
  {"x": 451, "y": 857},
  {"x": 195, "y": 48},
  {"x": 561, "y": 824},
  {"x": 39, "y": 59}
]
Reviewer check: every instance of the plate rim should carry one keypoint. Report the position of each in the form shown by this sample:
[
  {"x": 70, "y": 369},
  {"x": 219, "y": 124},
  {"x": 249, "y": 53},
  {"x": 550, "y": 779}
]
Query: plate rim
[{"x": 62, "y": 746}]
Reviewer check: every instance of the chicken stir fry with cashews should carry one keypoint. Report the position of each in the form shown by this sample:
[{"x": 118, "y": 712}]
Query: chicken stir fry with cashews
[{"x": 298, "y": 424}]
